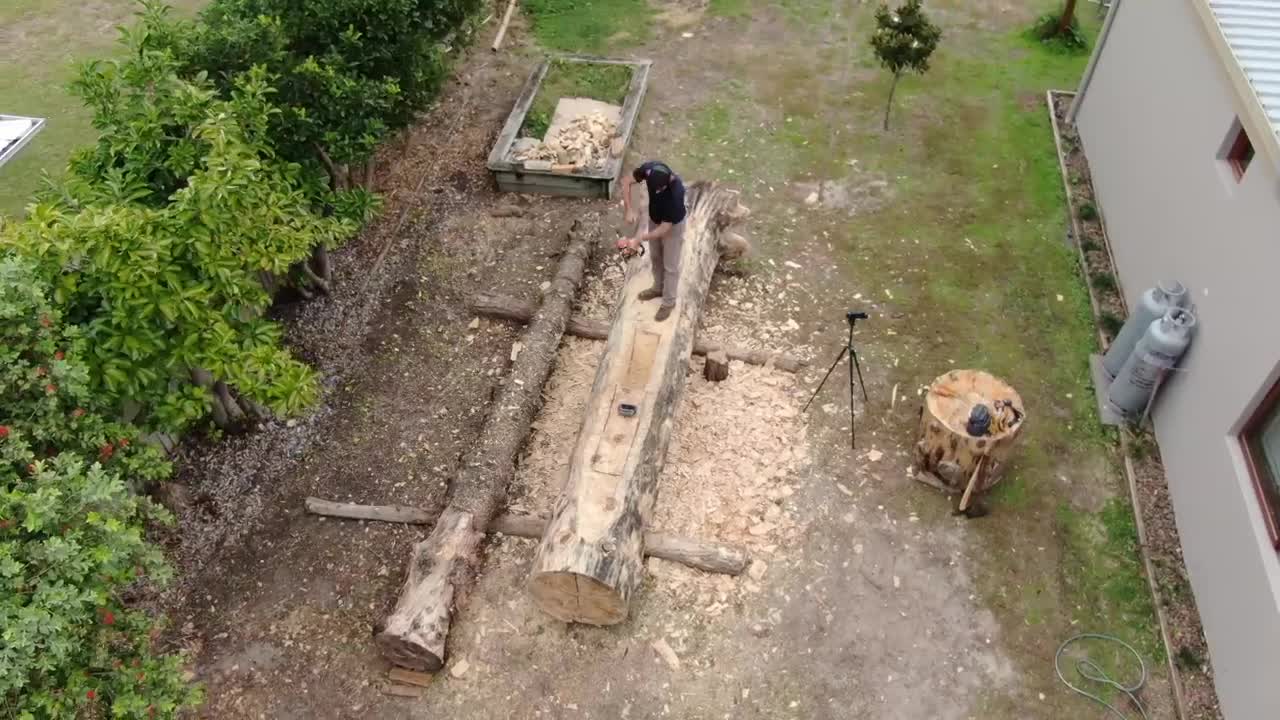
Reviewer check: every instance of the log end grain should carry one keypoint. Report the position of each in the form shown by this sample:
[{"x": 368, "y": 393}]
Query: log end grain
[
  {"x": 571, "y": 597},
  {"x": 412, "y": 650},
  {"x": 716, "y": 367}
]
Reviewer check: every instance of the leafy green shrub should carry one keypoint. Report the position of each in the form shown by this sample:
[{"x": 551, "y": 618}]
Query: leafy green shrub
[
  {"x": 161, "y": 242},
  {"x": 1103, "y": 281},
  {"x": 1110, "y": 323},
  {"x": 1088, "y": 212},
  {"x": 1089, "y": 245},
  {"x": 71, "y": 535},
  {"x": 1061, "y": 30},
  {"x": 346, "y": 73}
]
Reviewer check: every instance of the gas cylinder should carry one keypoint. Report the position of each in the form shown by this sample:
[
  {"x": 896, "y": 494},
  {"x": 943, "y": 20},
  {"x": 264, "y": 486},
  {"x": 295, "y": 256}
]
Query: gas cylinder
[
  {"x": 1152, "y": 306},
  {"x": 1159, "y": 349}
]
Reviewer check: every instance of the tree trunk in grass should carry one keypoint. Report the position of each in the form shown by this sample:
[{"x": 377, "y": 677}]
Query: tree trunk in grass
[
  {"x": 888, "y": 107},
  {"x": 443, "y": 565},
  {"x": 589, "y": 562},
  {"x": 1068, "y": 14}
]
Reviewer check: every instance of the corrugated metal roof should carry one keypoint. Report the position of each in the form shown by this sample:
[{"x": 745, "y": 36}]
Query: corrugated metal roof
[{"x": 1252, "y": 31}]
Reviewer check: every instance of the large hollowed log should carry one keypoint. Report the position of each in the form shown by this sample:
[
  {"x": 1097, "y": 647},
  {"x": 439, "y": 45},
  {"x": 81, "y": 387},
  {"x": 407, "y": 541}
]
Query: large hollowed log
[
  {"x": 589, "y": 562},
  {"x": 505, "y": 308},
  {"x": 946, "y": 450},
  {"x": 444, "y": 564}
]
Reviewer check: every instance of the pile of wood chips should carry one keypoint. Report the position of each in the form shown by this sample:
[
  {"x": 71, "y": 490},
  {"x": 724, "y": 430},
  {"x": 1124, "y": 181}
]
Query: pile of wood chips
[{"x": 586, "y": 143}]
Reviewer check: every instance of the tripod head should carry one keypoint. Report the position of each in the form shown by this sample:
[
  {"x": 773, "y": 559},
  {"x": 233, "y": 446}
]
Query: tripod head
[{"x": 853, "y": 316}]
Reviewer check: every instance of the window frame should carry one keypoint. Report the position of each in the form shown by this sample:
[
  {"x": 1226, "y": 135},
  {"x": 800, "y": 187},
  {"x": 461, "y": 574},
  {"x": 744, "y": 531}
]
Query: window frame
[
  {"x": 1259, "y": 474},
  {"x": 1240, "y": 154}
]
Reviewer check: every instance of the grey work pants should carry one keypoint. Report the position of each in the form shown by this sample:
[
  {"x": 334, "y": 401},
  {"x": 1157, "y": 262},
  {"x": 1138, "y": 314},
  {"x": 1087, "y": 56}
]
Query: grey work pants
[{"x": 665, "y": 256}]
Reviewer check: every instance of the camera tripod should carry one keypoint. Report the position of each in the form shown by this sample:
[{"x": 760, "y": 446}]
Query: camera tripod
[{"x": 852, "y": 317}]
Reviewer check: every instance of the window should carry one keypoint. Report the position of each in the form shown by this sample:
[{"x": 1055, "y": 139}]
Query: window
[
  {"x": 1240, "y": 154},
  {"x": 1261, "y": 442}
]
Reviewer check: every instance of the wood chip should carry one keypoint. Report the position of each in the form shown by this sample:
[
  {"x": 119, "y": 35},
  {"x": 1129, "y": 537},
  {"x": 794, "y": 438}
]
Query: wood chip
[
  {"x": 666, "y": 653},
  {"x": 516, "y": 347},
  {"x": 410, "y": 677},
  {"x": 474, "y": 324},
  {"x": 874, "y": 455},
  {"x": 459, "y": 668},
  {"x": 403, "y": 690}
]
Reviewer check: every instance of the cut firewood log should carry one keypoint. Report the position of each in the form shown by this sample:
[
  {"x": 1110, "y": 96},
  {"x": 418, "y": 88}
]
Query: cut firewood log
[
  {"x": 507, "y": 308},
  {"x": 590, "y": 560},
  {"x": 946, "y": 450},
  {"x": 444, "y": 564},
  {"x": 716, "y": 366},
  {"x": 705, "y": 556}
]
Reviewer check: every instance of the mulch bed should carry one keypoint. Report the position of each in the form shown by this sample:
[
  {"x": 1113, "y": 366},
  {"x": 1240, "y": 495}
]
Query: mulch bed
[{"x": 1186, "y": 641}]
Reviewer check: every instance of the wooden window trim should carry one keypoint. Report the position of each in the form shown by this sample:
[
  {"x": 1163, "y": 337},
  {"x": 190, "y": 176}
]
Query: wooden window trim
[
  {"x": 1267, "y": 492},
  {"x": 1240, "y": 154}
]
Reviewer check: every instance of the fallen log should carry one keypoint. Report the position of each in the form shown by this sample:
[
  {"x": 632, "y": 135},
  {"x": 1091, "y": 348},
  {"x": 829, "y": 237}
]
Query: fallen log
[
  {"x": 444, "y": 564},
  {"x": 590, "y": 559},
  {"x": 507, "y": 308},
  {"x": 699, "y": 555}
]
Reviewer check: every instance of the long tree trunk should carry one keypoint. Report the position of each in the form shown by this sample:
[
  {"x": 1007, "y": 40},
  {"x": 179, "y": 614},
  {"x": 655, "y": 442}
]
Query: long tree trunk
[
  {"x": 506, "y": 308},
  {"x": 1068, "y": 14},
  {"x": 444, "y": 564},
  {"x": 590, "y": 559},
  {"x": 888, "y": 106}
]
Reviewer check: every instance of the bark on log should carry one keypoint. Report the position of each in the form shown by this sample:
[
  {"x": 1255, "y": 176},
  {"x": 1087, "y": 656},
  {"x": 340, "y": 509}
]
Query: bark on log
[
  {"x": 946, "y": 450},
  {"x": 705, "y": 556},
  {"x": 716, "y": 366},
  {"x": 590, "y": 559},
  {"x": 444, "y": 564},
  {"x": 507, "y": 308}
]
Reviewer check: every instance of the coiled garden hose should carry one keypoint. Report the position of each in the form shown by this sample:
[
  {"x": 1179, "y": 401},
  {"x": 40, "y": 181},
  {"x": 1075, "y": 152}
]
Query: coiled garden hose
[{"x": 1089, "y": 670}]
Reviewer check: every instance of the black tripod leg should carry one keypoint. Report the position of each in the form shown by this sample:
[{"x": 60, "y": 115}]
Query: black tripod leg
[
  {"x": 824, "y": 378},
  {"x": 863, "y": 385},
  {"x": 853, "y": 445}
]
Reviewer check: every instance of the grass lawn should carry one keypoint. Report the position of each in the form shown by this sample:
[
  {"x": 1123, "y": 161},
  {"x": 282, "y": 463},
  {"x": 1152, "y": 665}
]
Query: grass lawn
[
  {"x": 42, "y": 40},
  {"x": 966, "y": 249}
]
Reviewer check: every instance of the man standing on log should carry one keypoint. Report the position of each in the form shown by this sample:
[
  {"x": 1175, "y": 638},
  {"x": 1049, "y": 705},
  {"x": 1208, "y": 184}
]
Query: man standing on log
[{"x": 666, "y": 230}]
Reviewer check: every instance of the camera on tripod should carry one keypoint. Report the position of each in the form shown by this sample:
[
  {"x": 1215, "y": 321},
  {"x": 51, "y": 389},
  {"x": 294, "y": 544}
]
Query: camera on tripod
[
  {"x": 854, "y": 366},
  {"x": 854, "y": 315}
]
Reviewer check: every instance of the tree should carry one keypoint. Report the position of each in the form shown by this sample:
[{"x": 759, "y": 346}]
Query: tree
[
  {"x": 1062, "y": 28},
  {"x": 1068, "y": 17},
  {"x": 903, "y": 41},
  {"x": 346, "y": 72},
  {"x": 162, "y": 241},
  {"x": 72, "y": 536}
]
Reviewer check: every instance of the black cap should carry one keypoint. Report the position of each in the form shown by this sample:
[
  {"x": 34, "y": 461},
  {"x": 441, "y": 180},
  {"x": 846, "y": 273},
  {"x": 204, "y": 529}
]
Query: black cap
[{"x": 658, "y": 178}]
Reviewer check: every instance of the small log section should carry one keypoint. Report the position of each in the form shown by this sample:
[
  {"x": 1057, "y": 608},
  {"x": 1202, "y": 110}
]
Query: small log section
[
  {"x": 704, "y": 556},
  {"x": 443, "y": 565},
  {"x": 505, "y": 308},
  {"x": 946, "y": 450},
  {"x": 716, "y": 366},
  {"x": 590, "y": 559}
]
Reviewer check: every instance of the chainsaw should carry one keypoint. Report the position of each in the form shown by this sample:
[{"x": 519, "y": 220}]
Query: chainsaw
[{"x": 626, "y": 250}]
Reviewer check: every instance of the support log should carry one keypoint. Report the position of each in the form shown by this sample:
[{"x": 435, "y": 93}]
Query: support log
[
  {"x": 699, "y": 555},
  {"x": 444, "y": 564},
  {"x": 716, "y": 367},
  {"x": 590, "y": 560},
  {"x": 507, "y": 308}
]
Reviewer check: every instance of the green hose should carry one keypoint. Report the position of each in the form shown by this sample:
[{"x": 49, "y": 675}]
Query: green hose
[{"x": 1089, "y": 670}]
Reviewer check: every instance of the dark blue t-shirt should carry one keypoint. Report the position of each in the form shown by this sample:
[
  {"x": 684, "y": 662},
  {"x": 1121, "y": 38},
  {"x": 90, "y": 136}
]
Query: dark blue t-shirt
[{"x": 666, "y": 205}]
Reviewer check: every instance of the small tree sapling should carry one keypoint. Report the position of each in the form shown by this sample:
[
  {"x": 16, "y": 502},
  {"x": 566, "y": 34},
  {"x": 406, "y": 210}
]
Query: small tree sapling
[{"x": 903, "y": 41}]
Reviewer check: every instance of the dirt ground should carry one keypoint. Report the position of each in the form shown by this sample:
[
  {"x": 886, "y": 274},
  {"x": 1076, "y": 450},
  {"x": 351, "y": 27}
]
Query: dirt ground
[{"x": 866, "y": 597}]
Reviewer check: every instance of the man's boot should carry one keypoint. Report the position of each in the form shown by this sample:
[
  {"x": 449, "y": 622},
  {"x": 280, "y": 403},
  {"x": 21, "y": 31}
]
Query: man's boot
[
  {"x": 664, "y": 312},
  {"x": 651, "y": 293}
]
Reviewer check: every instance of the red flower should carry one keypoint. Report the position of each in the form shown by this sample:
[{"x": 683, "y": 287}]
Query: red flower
[
  {"x": 108, "y": 617},
  {"x": 105, "y": 451},
  {"x": 58, "y": 355},
  {"x": 4, "y": 431},
  {"x": 91, "y": 694},
  {"x": 124, "y": 442},
  {"x": 51, "y": 388}
]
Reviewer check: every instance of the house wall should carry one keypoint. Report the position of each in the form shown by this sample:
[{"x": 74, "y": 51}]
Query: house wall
[{"x": 1153, "y": 122}]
